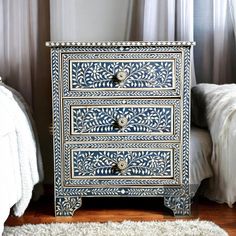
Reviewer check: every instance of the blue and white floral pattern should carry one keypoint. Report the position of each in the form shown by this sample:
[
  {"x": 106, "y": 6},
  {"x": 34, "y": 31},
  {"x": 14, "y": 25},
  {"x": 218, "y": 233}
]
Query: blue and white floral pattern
[
  {"x": 139, "y": 74},
  {"x": 104, "y": 119},
  {"x": 68, "y": 192},
  {"x": 139, "y": 163}
]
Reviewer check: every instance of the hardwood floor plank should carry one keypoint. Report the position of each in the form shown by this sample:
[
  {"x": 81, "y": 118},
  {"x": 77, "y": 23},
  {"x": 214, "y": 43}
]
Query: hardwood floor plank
[{"x": 120, "y": 209}]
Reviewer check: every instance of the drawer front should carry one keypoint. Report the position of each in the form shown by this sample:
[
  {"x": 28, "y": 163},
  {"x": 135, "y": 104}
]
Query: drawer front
[
  {"x": 127, "y": 165},
  {"x": 102, "y": 163},
  {"x": 121, "y": 74},
  {"x": 121, "y": 120}
]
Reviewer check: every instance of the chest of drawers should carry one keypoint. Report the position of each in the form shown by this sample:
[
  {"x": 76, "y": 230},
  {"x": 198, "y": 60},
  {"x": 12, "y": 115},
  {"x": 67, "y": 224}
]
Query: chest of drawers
[{"x": 121, "y": 122}]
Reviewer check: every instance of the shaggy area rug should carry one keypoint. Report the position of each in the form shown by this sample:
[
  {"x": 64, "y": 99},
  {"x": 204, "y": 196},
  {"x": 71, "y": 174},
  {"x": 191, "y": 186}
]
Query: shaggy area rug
[{"x": 126, "y": 228}]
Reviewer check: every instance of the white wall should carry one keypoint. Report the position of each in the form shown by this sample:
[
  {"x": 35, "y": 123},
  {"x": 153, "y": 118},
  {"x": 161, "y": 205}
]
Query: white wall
[{"x": 89, "y": 20}]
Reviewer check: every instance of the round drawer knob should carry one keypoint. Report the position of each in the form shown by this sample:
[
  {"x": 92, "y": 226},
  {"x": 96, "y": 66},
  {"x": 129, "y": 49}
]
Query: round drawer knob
[
  {"x": 122, "y": 165},
  {"x": 121, "y": 75},
  {"x": 123, "y": 121}
]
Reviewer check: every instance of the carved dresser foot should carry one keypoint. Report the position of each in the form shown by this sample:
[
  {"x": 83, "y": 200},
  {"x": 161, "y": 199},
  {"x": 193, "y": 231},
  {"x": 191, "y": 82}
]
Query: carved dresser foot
[
  {"x": 66, "y": 206},
  {"x": 180, "y": 205}
]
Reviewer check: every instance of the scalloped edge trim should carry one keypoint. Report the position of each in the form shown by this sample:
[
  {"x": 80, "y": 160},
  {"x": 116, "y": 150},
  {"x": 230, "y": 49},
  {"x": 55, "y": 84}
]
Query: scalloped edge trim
[{"x": 118, "y": 43}]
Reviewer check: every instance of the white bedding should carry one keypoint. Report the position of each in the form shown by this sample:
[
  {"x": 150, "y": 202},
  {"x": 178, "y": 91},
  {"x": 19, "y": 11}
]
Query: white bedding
[
  {"x": 200, "y": 157},
  {"x": 20, "y": 159},
  {"x": 219, "y": 103}
]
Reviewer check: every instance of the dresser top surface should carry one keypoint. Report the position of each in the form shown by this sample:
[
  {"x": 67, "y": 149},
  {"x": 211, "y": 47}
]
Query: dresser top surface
[{"x": 118, "y": 43}]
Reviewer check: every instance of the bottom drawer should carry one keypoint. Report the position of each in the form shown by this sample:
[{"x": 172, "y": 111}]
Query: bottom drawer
[{"x": 121, "y": 164}]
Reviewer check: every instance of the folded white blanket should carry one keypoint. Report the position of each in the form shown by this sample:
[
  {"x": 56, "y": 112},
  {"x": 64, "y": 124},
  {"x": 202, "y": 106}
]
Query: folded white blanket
[
  {"x": 220, "y": 110},
  {"x": 20, "y": 159}
]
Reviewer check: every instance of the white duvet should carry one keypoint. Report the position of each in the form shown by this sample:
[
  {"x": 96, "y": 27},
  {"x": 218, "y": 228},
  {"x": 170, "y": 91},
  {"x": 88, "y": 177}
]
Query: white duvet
[
  {"x": 218, "y": 103},
  {"x": 20, "y": 159}
]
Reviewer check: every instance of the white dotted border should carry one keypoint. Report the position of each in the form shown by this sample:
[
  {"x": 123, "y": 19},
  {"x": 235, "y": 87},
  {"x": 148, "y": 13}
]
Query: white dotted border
[{"x": 121, "y": 43}]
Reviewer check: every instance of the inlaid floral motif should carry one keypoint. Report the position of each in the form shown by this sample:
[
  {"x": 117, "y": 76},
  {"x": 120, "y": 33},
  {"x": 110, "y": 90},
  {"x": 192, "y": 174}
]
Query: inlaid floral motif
[
  {"x": 174, "y": 83},
  {"x": 149, "y": 74},
  {"x": 65, "y": 206},
  {"x": 105, "y": 119},
  {"x": 138, "y": 163}
]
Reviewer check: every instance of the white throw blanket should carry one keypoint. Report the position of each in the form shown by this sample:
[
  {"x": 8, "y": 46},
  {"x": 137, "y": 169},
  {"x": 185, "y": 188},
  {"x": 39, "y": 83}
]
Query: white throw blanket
[
  {"x": 20, "y": 159},
  {"x": 220, "y": 102}
]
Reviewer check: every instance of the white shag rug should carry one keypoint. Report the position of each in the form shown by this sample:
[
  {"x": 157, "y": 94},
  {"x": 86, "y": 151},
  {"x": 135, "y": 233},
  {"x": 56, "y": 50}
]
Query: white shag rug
[{"x": 126, "y": 228}]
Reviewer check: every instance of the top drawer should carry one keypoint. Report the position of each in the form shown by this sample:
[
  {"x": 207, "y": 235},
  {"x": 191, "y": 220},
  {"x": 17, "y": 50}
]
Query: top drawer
[{"x": 123, "y": 74}]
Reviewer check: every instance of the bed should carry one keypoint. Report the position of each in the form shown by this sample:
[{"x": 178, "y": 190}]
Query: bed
[
  {"x": 214, "y": 108},
  {"x": 20, "y": 158},
  {"x": 200, "y": 157}
]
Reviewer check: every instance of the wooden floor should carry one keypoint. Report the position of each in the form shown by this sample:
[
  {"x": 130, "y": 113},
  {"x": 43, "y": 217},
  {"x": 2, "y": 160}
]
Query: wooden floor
[{"x": 120, "y": 209}]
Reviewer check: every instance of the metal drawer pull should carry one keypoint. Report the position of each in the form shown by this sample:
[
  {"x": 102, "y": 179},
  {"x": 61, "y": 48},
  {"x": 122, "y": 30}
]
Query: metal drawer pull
[
  {"x": 122, "y": 165},
  {"x": 121, "y": 76},
  {"x": 122, "y": 122}
]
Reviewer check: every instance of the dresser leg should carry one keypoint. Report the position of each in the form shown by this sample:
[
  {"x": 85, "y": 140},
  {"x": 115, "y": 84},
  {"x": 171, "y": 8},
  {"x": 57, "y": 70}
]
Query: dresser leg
[
  {"x": 180, "y": 205},
  {"x": 66, "y": 206}
]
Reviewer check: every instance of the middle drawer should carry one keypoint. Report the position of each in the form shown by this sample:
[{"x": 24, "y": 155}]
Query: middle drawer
[{"x": 122, "y": 120}]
